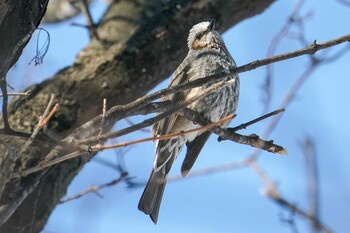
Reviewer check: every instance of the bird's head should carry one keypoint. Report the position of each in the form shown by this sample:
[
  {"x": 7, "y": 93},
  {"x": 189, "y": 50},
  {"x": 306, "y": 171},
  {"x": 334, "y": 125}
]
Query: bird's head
[{"x": 203, "y": 35}]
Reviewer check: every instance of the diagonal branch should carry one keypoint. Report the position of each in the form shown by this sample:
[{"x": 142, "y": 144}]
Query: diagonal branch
[
  {"x": 245, "y": 125},
  {"x": 251, "y": 140},
  {"x": 42, "y": 121},
  {"x": 94, "y": 189}
]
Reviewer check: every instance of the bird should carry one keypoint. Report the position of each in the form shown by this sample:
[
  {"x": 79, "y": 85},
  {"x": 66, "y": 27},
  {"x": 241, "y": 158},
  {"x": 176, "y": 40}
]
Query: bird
[{"x": 207, "y": 55}]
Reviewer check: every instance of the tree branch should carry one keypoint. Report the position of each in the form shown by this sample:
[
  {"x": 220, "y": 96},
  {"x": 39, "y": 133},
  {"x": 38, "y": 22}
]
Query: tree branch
[
  {"x": 94, "y": 189},
  {"x": 251, "y": 140},
  {"x": 312, "y": 180},
  {"x": 3, "y": 86}
]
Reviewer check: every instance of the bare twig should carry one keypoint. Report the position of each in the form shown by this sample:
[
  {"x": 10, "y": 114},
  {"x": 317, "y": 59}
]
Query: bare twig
[
  {"x": 288, "y": 98},
  {"x": 252, "y": 140},
  {"x": 312, "y": 177},
  {"x": 46, "y": 164},
  {"x": 94, "y": 189},
  {"x": 48, "y": 117},
  {"x": 310, "y": 50},
  {"x": 294, "y": 209},
  {"x": 84, "y": 6},
  {"x": 104, "y": 109},
  {"x": 245, "y": 125},
  {"x": 271, "y": 191},
  {"x": 271, "y": 51},
  {"x": 18, "y": 94},
  {"x": 42, "y": 121},
  {"x": 211, "y": 170}
]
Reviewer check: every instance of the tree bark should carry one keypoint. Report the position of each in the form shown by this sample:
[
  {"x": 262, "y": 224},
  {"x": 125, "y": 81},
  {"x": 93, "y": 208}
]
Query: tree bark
[
  {"x": 18, "y": 21},
  {"x": 140, "y": 43}
]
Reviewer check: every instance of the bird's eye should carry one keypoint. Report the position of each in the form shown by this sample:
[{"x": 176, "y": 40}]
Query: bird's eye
[{"x": 199, "y": 36}]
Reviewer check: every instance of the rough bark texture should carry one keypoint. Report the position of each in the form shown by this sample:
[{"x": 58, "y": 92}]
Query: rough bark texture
[{"x": 141, "y": 43}]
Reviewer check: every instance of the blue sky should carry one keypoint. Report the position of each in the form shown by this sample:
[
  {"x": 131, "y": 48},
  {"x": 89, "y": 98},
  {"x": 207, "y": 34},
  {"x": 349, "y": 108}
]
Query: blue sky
[{"x": 229, "y": 201}]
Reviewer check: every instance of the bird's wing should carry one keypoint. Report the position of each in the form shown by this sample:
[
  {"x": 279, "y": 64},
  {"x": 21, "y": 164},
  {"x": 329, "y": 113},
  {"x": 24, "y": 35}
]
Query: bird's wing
[
  {"x": 193, "y": 150},
  {"x": 166, "y": 125}
]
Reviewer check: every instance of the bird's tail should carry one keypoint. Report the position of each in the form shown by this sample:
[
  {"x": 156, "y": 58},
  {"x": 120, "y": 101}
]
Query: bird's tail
[{"x": 153, "y": 193}]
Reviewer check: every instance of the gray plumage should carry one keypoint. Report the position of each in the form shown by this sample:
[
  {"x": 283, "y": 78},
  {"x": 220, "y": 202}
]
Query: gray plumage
[{"x": 207, "y": 55}]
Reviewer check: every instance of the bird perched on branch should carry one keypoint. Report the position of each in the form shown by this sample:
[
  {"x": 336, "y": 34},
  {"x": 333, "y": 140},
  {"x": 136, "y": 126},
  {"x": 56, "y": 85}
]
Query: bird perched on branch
[{"x": 207, "y": 55}]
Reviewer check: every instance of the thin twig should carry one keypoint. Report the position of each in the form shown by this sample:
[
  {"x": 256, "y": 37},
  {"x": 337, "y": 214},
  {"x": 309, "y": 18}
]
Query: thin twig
[
  {"x": 211, "y": 170},
  {"x": 288, "y": 98},
  {"x": 294, "y": 209},
  {"x": 245, "y": 125},
  {"x": 94, "y": 189},
  {"x": 271, "y": 191},
  {"x": 84, "y": 6},
  {"x": 310, "y": 50},
  {"x": 49, "y": 116},
  {"x": 104, "y": 109},
  {"x": 42, "y": 119},
  {"x": 18, "y": 94},
  {"x": 46, "y": 164},
  {"x": 275, "y": 41},
  {"x": 312, "y": 178}
]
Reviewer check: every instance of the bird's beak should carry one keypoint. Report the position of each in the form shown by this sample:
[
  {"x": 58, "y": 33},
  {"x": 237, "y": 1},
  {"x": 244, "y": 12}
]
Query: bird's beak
[{"x": 211, "y": 25}]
